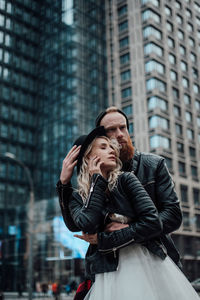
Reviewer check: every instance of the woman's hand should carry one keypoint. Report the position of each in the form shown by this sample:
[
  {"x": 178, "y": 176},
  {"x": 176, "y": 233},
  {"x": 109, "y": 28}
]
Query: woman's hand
[
  {"x": 68, "y": 164},
  {"x": 90, "y": 238},
  {"x": 94, "y": 165},
  {"x": 113, "y": 226}
]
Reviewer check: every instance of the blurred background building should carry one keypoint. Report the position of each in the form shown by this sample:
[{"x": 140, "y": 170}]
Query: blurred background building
[
  {"x": 52, "y": 85},
  {"x": 62, "y": 62},
  {"x": 153, "y": 51}
]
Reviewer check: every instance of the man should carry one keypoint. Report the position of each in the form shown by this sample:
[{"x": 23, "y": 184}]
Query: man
[{"x": 150, "y": 169}]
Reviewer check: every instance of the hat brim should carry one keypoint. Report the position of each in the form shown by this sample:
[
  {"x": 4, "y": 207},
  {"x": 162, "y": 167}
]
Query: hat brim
[{"x": 98, "y": 131}]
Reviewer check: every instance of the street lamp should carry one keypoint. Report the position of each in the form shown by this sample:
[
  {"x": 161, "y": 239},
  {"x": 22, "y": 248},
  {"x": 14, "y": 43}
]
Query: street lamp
[{"x": 31, "y": 218}]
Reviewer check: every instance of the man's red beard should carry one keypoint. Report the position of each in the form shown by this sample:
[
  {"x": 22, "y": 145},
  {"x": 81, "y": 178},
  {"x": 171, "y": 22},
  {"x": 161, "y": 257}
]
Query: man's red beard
[{"x": 127, "y": 151}]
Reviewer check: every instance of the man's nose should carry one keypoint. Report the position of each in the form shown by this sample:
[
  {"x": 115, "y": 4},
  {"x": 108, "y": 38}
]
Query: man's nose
[{"x": 119, "y": 133}]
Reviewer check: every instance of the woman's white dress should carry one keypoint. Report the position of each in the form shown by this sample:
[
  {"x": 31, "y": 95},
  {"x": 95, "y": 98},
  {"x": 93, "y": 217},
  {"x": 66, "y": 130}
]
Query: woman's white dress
[{"x": 142, "y": 276}]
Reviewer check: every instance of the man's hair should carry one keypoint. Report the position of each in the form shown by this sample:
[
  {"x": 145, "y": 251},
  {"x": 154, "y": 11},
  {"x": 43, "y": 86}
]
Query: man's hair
[{"x": 110, "y": 110}]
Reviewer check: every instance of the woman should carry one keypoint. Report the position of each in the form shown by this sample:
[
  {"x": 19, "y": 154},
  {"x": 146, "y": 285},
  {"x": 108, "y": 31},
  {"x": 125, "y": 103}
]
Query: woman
[{"x": 139, "y": 270}]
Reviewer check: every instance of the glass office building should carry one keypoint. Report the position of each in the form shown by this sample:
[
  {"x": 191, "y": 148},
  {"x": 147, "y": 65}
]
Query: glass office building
[{"x": 52, "y": 84}]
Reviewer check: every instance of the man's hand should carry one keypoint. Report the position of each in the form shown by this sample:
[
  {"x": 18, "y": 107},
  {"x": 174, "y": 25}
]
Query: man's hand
[
  {"x": 68, "y": 164},
  {"x": 113, "y": 226},
  {"x": 90, "y": 238}
]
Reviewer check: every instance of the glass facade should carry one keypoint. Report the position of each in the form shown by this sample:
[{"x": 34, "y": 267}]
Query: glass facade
[{"x": 53, "y": 84}]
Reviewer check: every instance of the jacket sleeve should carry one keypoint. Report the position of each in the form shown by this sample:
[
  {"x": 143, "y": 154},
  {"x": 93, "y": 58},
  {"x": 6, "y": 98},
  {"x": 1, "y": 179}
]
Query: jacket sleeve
[
  {"x": 64, "y": 193},
  {"x": 167, "y": 202},
  {"x": 147, "y": 224},
  {"x": 88, "y": 217}
]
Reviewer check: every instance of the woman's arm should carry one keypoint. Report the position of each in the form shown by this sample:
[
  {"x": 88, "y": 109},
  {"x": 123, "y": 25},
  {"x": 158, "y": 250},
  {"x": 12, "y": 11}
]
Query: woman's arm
[{"x": 88, "y": 217}]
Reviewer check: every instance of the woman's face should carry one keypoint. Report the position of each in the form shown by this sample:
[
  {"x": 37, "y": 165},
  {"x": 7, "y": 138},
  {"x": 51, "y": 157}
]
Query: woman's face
[{"x": 106, "y": 153}]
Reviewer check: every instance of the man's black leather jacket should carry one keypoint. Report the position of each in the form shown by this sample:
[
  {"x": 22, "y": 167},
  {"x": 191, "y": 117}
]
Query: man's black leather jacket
[
  {"x": 128, "y": 198},
  {"x": 153, "y": 174}
]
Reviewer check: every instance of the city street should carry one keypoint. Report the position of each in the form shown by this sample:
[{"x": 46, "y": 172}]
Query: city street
[{"x": 14, "y": 296}]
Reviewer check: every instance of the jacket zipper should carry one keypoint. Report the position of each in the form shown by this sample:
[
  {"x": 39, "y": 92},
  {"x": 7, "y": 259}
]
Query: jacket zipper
[
  {"x": 91, "y": 190},
  {"x": 116, "y": 248},
  {"x": 153, "y": 181}
]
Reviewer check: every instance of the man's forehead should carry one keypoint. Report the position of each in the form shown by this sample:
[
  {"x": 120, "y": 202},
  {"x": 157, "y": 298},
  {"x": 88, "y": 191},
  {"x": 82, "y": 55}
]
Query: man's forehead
[{"x": 113, "y": 119}]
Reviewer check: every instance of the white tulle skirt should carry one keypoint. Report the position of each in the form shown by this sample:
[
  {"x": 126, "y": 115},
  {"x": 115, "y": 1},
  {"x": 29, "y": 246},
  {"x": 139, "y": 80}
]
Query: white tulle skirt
[{"x": 142, "y": 276}]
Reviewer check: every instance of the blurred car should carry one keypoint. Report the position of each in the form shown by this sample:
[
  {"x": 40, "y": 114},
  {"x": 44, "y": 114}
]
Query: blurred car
[{"x": 196, "y": 284}]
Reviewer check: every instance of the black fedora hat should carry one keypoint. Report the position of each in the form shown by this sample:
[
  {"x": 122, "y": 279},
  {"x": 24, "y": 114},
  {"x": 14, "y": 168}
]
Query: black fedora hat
[{"x": 85, "y": 141}]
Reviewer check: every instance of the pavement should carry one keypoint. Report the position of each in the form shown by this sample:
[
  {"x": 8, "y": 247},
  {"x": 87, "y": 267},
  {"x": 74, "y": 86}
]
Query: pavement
[{"x": 36, "y": 296}]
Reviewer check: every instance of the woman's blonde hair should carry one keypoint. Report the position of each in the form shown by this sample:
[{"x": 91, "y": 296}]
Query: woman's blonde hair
[{"x": 84, "y": 177}]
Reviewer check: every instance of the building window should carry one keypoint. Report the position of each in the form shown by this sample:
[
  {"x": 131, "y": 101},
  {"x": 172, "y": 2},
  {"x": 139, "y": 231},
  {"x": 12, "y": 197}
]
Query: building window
[
  {"x": 190, "y": 134},
  {"x": 182, "y": 50},
  {"x": 131, "y": 128},
  {"x": 126, "y": 75},
  {"x": 126, "y": 92},
  {"x": 184, "y": 193},
  {"x": 195, "y": 73},
  {"x": 188, "y": 13},
  {"x": 197, "y": 7},
  {"x": 198, "y": 122},
  {"x": 154, "y": 2},
  {"x": 123, "y": 26},
  {"x": 194, "y": 171},
  {"x": 156, "y": 101},
  {"x": 186, "y": 220},
  {"x": 188, "y": 116},
  {"x": 170, "y": 42},
  {"x": 172, "y": 59},
  {"x": 154, "y": 83},
  {"x": 187, "y": 99},
  {"x": 158, "y": 122},
  {"x": 169, "y": 26},
  {"x": 168, "y": 162},
  {"x": 197, "y": 105},
  {"x": 180, "y": 34},
  {"x": 122, "y": 10},
  {"x": 153, "y": 48},
  {"x": 196, "y": 196},
  {"x": 153, "y": 65},
  {"x": 192, "y": 152},
  {"x": 196, "y": 88},
  {"x": 177, "y": 111},
  {"x": 178, "y": 5},
  {"x": 124, "y": 42},
  {"x": 151, "y": 30},
  {"x": 179, "y": 20},
  {"x": 3, "y": 130},
  {"x": 181, "y": 168},
  {"x": 150, "y": 14},
  {"x": 175, "y": 93},
  {"x": 191, "y": 42},
  {"x": 184, "y": 66},
  {"x": 173, "y": 75},
  {"x": 198, "y": 21},
  {"x": 185, "y": 82},
  {"x": 124, "y": 58},
  {"x": 190, "y": 27},
  {"x": 128, "y": 110},
  {"x": 180, "y": 147},
  {"x": 179, "y": 130},
  {"x": 197, "y": 218},
  {"x": 160, "y": 141},
  {"x": 193, "y": 57},
  {"x": 168, "y": 11}
]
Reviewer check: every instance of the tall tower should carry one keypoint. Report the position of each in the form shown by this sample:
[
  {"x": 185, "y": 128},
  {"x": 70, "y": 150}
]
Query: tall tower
[
  {"x": 153, "y": 51},
  {"x": 52, "y": 84}
]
